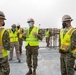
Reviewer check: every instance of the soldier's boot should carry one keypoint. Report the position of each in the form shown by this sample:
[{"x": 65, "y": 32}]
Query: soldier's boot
[
  {"x": 10, "y": 59},
  {"x": 19, "y": 60},
  {"x": 34, "y": 72},
  {"x": 75, "y": 68},
  {"x": 29, "y": 72}
]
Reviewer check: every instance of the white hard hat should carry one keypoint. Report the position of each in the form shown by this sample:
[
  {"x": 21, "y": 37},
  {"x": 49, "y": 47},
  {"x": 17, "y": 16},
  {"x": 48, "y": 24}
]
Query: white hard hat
[
  {"x": 66, "y": 18},
  {"x": 29, "y": 20},
  {"x": 18, "y": 24},
  {"x": 2, "y": 16}
]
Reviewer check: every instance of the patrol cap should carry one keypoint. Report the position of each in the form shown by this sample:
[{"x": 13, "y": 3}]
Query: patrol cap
[
  {"x": 30, "y": 20},
  {"x": 14, "y": 26},
  {"x": 66, "y": 18},
  {"x": 2, "y": 16}
]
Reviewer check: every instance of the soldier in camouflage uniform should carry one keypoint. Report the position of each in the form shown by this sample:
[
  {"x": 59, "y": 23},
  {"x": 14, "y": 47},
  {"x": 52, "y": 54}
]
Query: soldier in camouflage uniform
[
  {"x": 32, "y": 46},
  {"x": 47, "y": 35},
  {"x": 4, "y": 47},
  {"x": 67, "y": 46},
  {"x": 14, "y": 42},
  {"x": 20, "y": 31}
]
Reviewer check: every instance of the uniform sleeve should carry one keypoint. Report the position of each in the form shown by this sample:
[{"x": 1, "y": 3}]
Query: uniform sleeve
[
  {"x": 59, "y": 40},
  {"x": 22, "y": 30},
  {"x": 6, "y": 40},
  {"x": 59, "y": 43},
  {"x": 73, "y": 41},
  {"x": 39, "y": 35},
  {"x": 18, "y": 35}
]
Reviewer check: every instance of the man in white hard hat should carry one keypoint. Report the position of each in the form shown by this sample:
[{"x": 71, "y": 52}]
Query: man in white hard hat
[
  {"x": 32, "y": 45},
  {"x": 4, "y": 47},
  {"x": 67, "y": 47}
]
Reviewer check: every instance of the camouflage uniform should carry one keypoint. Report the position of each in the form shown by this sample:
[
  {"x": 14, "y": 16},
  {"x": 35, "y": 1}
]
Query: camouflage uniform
[
  {"x": 48, "y": 39},
  {"x": 16, "y": 45},
  {"x": 20, "y": 43},
  {"x": 67, "y": 59},
  {"x": 4, "y": 64},
  {"x": 32, "y": 44},
  {"x": 32, "y": 50},
  {"x": 32, "y": 53}
]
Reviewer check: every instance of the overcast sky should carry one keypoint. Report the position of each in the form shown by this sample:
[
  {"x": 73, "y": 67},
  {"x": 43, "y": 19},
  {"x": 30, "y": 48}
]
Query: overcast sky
[{"x": 47, "y": 13}]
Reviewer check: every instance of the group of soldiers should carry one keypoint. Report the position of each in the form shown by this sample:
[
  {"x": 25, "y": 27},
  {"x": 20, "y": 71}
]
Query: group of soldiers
[
  {"x": 13, "y": 38},
  {"x": 15, "y": 35},
  {"x": 9, "y": 39}
]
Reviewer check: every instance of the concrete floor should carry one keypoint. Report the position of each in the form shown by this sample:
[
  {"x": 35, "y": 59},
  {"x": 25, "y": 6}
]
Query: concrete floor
[{"x": 48, "y": 62}]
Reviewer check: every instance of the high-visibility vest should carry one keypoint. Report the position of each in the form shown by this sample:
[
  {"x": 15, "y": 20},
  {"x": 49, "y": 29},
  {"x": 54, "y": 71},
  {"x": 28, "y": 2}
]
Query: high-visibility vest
[
  {"x": 20, "y": 32},
  {"x": 3, "y": 52},
  {"x": 66, "y": 39},
  {"x": 31, "y": 39},
  {"x": 47, "y": 33},
  {"x": 13, "y": 36}
]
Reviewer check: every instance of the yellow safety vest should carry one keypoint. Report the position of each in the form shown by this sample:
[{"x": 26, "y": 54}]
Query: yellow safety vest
[
  {"x": 47, "y": 33},
  {"x": 20, "y": 32},
  {"x": 66, "y": 40},
  {"x": 3, "y": 52},
  {"x": 13, "y": 36},
  {"x": 31, "y": 39}
]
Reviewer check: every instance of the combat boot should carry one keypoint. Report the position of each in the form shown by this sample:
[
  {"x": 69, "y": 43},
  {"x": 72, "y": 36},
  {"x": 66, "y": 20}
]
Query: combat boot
[
  {"x": 75, "y": 67},
  {"x": 29, "y": 72},
  {"x": 10, "y": 59},
  {"x": 34, "y": 72},
  {"x": 19, "y": 60}
]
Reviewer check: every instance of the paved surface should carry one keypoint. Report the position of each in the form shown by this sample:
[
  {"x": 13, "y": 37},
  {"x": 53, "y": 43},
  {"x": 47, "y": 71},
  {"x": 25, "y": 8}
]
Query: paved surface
[{"x": 48, "y": 62}]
